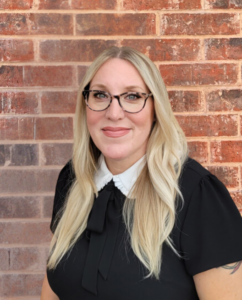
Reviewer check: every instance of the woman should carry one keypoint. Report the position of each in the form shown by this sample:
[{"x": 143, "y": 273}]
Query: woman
[{"x": 133, "y": 216}]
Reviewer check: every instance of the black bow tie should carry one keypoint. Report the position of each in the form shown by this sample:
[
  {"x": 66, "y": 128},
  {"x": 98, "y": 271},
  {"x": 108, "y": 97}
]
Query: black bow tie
[{"x": 102, "y": 227}]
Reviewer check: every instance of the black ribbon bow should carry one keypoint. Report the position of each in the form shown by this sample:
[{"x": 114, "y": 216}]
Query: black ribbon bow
[{"x": 102, "y": 225}]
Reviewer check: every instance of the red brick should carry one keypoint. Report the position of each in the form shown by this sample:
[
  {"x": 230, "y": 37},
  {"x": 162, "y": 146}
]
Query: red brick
[
  {"x": 16, "y": 50},
  {"x": 19, "y": 155},
  {"x": 81, "y": 70},
  {"x": 237, "y": 197},
  {"x": 224, "y": 100},
  {"x": 13, "y": 24},
  {"x": 55, "y": 4},
  {"x": 18, "y": 103},
  {"x": 200, "y": 24},
  {"x": 51, "y": 128},
  {"x": 78, "y": 4},
  {"x": 223, "y": 48},
  {"x": 222, "y": 4},
  {"x": 240, "y": 125},
  {"x": 241, "y": 176},
  {"x": 27, "y": 259},
  {"x": 183, "y": 101},
  {"x": 198, "y": 151},
  {"x": 219, "y": 125},
  {"x": 199, "y": 74},
  {"x": 157, "y": 5},
  {"x": 19, "y": 207},
  {"x": 56, "y": 154},
  {"x": 94, "y": 4},
  {"x": 73, "y": 50},
  {"x": 48, "y": 76},
  {"x": 28, "y": 181},
  {"x": 168, "y": 49},
  {"x": 116, "y": 24},
  {"x": 11, "y": 76},
  {"x": 4, "y": 259},
  {"x": 16, "y": 128},
  {"x": 226, "y": 151},
  {"x": 58, "y": 102},
  {"x": 228, "y": 175},
  {"x": 14, "y": 285},
  {"x": 16, "y": 4},
  {"x": 19, "y": 24},
  {"x": 24, "y": 232},
  {"x": 48, "y": 206}
]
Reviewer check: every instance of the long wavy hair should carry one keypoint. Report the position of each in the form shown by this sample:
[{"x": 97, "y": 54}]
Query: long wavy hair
[{"x": 149, "y": 210}]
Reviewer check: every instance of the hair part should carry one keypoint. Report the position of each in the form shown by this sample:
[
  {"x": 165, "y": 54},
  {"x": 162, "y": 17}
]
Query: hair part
[{"x": 149, "y": 211}]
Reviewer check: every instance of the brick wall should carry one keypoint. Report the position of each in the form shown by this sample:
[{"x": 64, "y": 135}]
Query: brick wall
[{"x": 45, "y": 48}]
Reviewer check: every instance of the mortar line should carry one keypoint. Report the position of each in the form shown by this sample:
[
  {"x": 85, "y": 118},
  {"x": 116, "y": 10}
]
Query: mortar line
[
  {"x": 157, "y": 24},
  {"x": 202, "y": 49},
  {"x": 119, "y": 5},
  {"x": 74, "y": 24},
  {"x": 209, "y": 151},
  {"x": 36, "y": 51},
  {"x": 208, "y": 88},
  {"x": 160, "y": 63},
  {"x": 44, "y": 245},
  {"x": 35, "y": 6},
  {"x": 71, "y": 89},
  {"x": 113, "y": 37},
  {"x": 240, "y": 183},
  {"x": 113, "y": 11},
  {"x": 34, "y": 142}
]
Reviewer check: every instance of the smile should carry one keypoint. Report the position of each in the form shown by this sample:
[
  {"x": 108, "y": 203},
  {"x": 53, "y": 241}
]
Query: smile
[{"x": 115, "y": 131}]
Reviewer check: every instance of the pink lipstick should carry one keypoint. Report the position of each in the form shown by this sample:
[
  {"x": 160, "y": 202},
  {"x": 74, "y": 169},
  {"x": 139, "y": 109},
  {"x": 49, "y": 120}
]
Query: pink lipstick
[{"x": 115, "y": 131}]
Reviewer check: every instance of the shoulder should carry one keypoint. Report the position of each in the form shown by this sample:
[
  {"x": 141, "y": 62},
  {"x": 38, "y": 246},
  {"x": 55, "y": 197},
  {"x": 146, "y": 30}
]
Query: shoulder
[
  {"x": 65, "y": 180},
  {"x": 192, "y": 174},
  {"x": 67, "y": 172},
  {"x": 193, "y": 168}
]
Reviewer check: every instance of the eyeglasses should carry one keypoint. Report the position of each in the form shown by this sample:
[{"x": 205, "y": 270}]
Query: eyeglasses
[{"x": 131, "y": 102}]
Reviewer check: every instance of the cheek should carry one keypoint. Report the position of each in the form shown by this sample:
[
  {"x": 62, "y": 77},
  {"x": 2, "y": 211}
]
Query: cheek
[
  {"x": 93, "y": 119},
  {"x": 143, "y": 121}
]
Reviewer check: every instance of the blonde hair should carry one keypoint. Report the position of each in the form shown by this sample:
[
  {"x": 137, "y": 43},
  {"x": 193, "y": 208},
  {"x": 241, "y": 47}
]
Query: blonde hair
[{"x": 150, "y": 209}]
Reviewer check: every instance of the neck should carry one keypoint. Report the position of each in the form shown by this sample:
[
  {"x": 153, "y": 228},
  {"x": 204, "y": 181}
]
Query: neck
[{"x": 119, "y": 166}]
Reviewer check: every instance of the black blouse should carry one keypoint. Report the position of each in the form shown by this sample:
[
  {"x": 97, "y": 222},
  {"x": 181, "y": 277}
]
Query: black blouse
[{"x": 102, "y": 265}]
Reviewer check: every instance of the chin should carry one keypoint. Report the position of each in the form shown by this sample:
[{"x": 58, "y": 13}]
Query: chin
[{"x": 115, "y": 154}]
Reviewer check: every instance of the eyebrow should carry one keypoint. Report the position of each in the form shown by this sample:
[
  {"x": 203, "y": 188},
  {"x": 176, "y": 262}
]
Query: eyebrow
[{"x": 131, "y": 87}]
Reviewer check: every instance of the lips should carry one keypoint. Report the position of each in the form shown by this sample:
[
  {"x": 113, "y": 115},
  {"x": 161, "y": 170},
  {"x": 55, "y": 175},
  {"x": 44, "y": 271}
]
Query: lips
[{"x": 115, "y": 131}]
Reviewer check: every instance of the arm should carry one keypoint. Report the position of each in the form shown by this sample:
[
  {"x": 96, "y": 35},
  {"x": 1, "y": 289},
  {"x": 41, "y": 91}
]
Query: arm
[
  {"x": 223, "y": 283},
  {"x": 47, "y": 293}
]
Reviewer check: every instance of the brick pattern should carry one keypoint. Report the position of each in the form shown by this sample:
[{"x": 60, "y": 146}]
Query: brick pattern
[{"x": 45, "y": 49}]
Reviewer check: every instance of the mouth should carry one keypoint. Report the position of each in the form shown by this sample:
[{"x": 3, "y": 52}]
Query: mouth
[{"x": 115, "y": 131}]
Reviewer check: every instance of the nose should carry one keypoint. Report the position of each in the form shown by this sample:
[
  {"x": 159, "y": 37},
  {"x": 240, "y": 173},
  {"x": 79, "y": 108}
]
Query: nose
[{"x": 115, "y": 111}]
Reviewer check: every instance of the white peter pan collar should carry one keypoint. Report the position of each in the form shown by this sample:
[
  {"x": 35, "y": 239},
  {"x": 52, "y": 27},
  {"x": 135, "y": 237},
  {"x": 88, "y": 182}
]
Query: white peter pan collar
[{"x": 124, "y": 181}]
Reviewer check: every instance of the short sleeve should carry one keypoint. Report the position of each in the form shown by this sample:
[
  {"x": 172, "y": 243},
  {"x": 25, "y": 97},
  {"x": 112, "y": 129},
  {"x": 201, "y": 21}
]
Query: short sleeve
[
  {"x": 63, "y": 185},
  {"x": 212, "y": 231}
]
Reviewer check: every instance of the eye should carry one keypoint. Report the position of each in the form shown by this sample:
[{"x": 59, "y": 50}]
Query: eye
[
  {"x": 132, "y": 96},
  {"x": 100, "y": 95}
]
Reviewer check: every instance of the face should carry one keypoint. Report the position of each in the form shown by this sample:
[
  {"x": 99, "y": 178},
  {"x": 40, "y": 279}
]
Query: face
[{"x": 121, "y": 136}]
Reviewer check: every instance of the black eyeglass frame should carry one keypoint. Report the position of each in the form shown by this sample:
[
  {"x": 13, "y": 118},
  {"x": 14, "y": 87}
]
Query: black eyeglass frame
[{"x": 85, "y": 93}]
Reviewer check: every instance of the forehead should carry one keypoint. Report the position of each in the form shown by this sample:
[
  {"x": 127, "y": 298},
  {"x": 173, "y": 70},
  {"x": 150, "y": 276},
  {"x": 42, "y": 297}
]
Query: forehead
[{"x": 118, "y": 72}]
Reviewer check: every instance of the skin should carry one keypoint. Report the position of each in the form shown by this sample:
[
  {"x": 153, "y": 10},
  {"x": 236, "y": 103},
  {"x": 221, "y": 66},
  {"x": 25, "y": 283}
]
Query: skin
[
  {"x": 116, "y": 76},
  {"x": 223, "y": 283}
]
